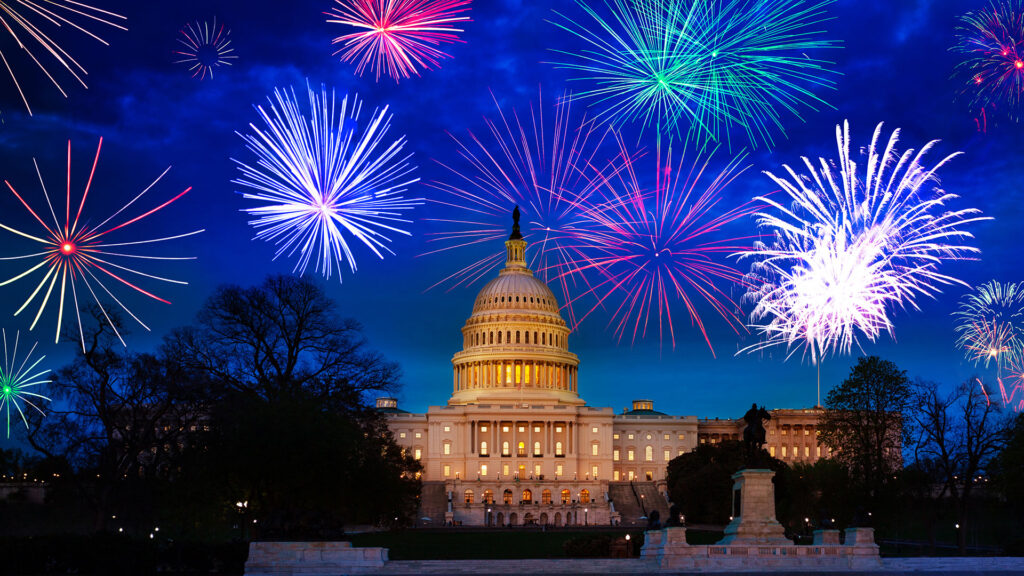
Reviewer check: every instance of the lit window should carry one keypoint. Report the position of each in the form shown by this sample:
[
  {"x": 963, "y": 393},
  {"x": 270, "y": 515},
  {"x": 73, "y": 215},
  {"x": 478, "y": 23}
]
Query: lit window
[
  {"x": 629, "y": 455},
  {"x": 668, "y": 436},
  {"x": 504, "y": 428},
  {"x": 504, "y": 469},
  {"x": 469, "y": 496},
  {"x": 648, "y": 436},
  {"x": 483, "y": 448},
  {"x": 649, "y": 475},
  {"x": 783, "y": 451},
  {"x": 784, "y": 431},
  {"x": 447, "y": 470},
  {"x": 536, "y": 448},
  {"x": 504, "y": 448},
  {"x": 632, "y": 476},
  {"x": 682, "y": 436},
  {"x": 566, "y": 496},
  {"x": 681, "y": 452},
  {"x": 819, "y": 451},
  {"x": 771, "y": 450},
  {"x": 417, "y": 453},
  {"x": 594, "y": 448},
  {"x": 649, "y": 453},
  {"x": 558, "y": 429},
  {"x": 703, "y": 440},
  {"x": 796, "y": 451},
  {"x": 447, "y": 446},
  {"x": 615, "y": 455},
  {"x": 483, "y": 469},
  {"x": 558, "y": 470},
  {"x": 584, "y": 496},
  {"x": 630, "y": 436},
  {"x": 536, "y": 469},
  {"x": 536, "y": 428},
  {"x": 615, "y": 475},
  {"x": 807, "y": 451},
  {"x": 419, "y": 435},
  {"x": 593, "y": 472},
  {"x": 668, "y": 454},
  {"x": 558, "y": 448},
  {"x": 615, "y": 436},
  {"x": 594, "y": 430},
  {"x": 522, "y": 429},
  {"x": 807, "y": 432},
  {"x": 545, "y": 496},
  {"x": 447, "y": 428},
  {"x": 521, "y": 449},
  {"x": 401, "y": 434},
  {"x": 483, "y": 428}
]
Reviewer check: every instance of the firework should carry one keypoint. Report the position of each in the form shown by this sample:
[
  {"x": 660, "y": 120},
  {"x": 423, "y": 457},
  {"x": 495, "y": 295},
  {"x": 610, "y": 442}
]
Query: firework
[
  {"x": 544, "y": 160},
  {"x": 1011, "y": 391},
  {"x": 26, "y": 22},
  {"x": 989, "y": 323},
  {"x": 84, "y": 258},
  {"x": 660, "y": 247},
  {"x": 320, "y": 176},
  {"x": 711, "y": 66},
  {"x": 15, "y": 379},
  {"x": 992, "y": 67},
  {"x": 847, "y": 246},
  {"x": 397, "y": 37},
  {"x": 204, "y": 46}
]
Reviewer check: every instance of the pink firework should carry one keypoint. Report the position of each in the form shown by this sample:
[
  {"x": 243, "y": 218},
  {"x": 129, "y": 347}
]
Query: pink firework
[
  {"x": 397, "y": 37},
  {"x": 990, "y": 42},
  {"x": 80, "y": 259},
  {"x": 1011, "y": 390},
  {"x": 204, "y": 46},
  {"x": 659, "y": 249}
]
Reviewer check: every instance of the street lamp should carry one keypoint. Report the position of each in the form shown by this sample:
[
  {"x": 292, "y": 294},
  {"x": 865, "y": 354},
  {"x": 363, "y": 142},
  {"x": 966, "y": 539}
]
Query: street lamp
[{"x": 585, "y": 511}]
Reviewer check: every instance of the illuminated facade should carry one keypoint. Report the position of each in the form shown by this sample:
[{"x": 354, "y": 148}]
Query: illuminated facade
[{"x": 516, "y": 443}]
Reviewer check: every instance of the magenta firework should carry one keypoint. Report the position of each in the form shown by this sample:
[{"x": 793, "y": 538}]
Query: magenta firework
[
  {"x": 848, "y": 242},
  {"x": 990, "y": 42},
  {"x": 85, "y": 261},
  {"x": 324, "y": 175},
  {"x": 203, "y": 47}
]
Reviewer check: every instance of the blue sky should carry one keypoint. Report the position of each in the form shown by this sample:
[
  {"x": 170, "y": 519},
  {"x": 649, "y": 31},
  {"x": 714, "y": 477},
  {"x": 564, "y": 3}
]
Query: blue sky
[{"x": 894, "y": 66}]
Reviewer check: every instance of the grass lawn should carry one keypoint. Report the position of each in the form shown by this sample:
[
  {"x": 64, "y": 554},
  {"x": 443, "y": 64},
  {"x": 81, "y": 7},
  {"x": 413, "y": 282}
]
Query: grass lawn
[{"x": 453, "y": 544}]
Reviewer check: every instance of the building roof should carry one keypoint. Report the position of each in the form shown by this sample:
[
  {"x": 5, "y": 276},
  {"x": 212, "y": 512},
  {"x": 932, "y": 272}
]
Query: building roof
[{"x": 643, "y": 413}]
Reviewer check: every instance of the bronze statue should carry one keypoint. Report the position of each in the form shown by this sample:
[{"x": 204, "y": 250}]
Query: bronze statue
[
  {"x": 754, "y": 434},
  {"x": 516, "y": 235}
]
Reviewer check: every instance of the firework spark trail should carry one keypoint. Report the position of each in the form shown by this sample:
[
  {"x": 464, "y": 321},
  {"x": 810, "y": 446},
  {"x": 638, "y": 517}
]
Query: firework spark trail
[
  {"x": 16, "y": 378},
  {"x": 397, "y": 37},
  {"x": 703, "y": 68},
  {"x": 991, "y": 71},
  {"x": 25, "y": 30},
  {"x": 546, "y": 159},
  {"x": 319, "y": 176},
  {"x": 205, "y": 46},
  {"x": 658, "y": 248},
  {"x": 847, "y": 246},
  {"x": 74, "y": 253},
  {"x": 990, "y": 323}
]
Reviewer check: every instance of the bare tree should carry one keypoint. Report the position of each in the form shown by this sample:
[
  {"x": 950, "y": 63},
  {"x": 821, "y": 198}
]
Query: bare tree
[{"x": 959, "y": 435}]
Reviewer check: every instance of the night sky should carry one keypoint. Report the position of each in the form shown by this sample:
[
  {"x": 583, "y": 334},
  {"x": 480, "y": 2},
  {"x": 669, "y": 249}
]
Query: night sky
[{"x": 894, "y": 66}]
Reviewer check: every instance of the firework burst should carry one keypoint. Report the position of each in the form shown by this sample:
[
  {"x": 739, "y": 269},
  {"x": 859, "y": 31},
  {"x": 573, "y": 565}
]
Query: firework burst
[
  {"x": 708, "y": 66},
  {"x": 397, "y": 37},
  {"x": 26, "y": 22},
  {"x": 991, "y": 71},
  {"x": 320, "y": 176},
  {"x": 848, "y": 245},
  {"x": 658, "y": 249},
  {"x": 989, "y": 323},
  {"x": 204, "y": 46},
  {"x": 16, "y": 379},
  {"x": 84, "y": 258},
  {"x": 547, "y": 161}
]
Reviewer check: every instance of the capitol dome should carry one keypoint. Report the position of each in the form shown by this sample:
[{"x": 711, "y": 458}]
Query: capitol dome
[{"x": 515, "y": 343}]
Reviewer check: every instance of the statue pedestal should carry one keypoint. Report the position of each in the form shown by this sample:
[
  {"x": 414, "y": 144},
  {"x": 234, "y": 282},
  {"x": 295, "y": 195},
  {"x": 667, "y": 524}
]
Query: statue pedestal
[{"x": 753, "y": 511}]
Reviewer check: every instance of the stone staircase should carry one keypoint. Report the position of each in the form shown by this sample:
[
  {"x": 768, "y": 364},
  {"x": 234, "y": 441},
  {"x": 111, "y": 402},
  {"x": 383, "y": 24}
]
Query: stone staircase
[
  {"x": 636, "y": 500},
  {"x": 433, "y": 504}
]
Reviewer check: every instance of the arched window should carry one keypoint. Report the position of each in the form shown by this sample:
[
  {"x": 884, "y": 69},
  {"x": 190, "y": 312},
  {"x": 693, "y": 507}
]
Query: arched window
[
  {"x": 558, "y": 448},
  {"x": 535, "y": 337},
  {"x": 527, "y": 496},
  {"x": 478, "y": 339},
  {"x": 483, "y": 448},
  {"x": 527, "y": 337},
  {"x": 521, "y": 449},
  {"x": 517, "y": 336},
  {"x": 507, "y": 496},
  {"x": 566, "y": 496},
  {"x": 536, "y": 448},
  {"x": 508, "y": 336},
  {"x": 499, "y": 337},
  {"x": 492, "y": 337},
  {"x": 584, "y": 496},
  {"x": 545, "y": 496},
  {"x": 489, "y": 496},
  {"x": 469, "y": 496},
  {"x": 504, "y": 448},
  {"x": 648, "y": 453},
  {"x": 544, "y": 338}
]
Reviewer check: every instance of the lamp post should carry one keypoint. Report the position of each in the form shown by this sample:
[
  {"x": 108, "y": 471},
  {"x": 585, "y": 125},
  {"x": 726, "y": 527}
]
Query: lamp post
[{"x": 585, "y": 511}]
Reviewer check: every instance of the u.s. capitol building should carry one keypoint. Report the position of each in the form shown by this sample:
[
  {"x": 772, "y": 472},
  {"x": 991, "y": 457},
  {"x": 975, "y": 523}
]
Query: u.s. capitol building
[{"x": 516, "y": 444}]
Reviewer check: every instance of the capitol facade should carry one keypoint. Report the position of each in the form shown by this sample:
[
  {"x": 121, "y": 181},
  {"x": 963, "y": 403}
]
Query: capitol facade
[{"x": 517, "y": 445}]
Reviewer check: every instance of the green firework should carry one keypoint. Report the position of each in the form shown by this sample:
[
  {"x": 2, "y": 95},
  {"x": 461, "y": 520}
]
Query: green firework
[{"x": 16, "y": 379}]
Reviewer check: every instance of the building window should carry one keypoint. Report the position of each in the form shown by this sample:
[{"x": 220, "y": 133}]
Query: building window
[
  {"x": 682, "y": 436},
  {"x": 419, "y": 435},
  {"x": 558, "y": 448},
  {"x": 615, "y": 455},
  {"x": 784, "y": 431},
  {"x": 545, "y": 496},
  {"x": 558, "y": 429},
  {"x": 615, "y": 475},
  {"x": 527, "y": 496},
  {"x": 629, "y": 455},
  {"x": 593, "y": 472},
  {"x": 469, "y": 497},
  {"x": 584, "y": 496},
  {"x": 447, "y": 448},
  {"x": 536, "y": 448},
  {"x": 807, "y": 432},
  {"x": 630, "y": 436},
  {"x": 807, "y": 451},
  {"x": 536, "y": 469},
  {"x": 819, "y": 451},
  {"x": 566, "y": 496},
  {"x": 558, "y": 470},
  {"x": 667, "y": 437},
  {"x": 504, "y": 428},
  {"x": 648, "y": 436},
  {"x": 504, "y": 469},
  {"x": 489, "y": 496},
  {"x": 594, "y": 430},
  {"x": 615, "y": 436},
  {"x": 504, "y": 448},
  {"x": 632, "y": 476},
  {"x": 401, "y": 434},
  {"x": 417, "y": 453},
  {"x": 536, "y": 429},
  {"x": 522, "y": 429},
  {"x": 483, "y": 428},
  {"x": 483, "y": 469},
  {"x": 796, "y": 451},
  {"x": 506, "y": 496},
  {"x": 447, "y": 428},
  {"x": 649, "y": 475},
  {"x": 783, "y": 451},
  {"x": 668, "y": 454},
  {"x": 447, "y": 470},
  {"x": 595, "y": 448},
  {"x": 680, "y": 452},
  {"x": 521, "y": 449},
  {"x": 771, "y": 451},
  {"x": 483, "y": 448},
  {"x": 649, "y": 453}
]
